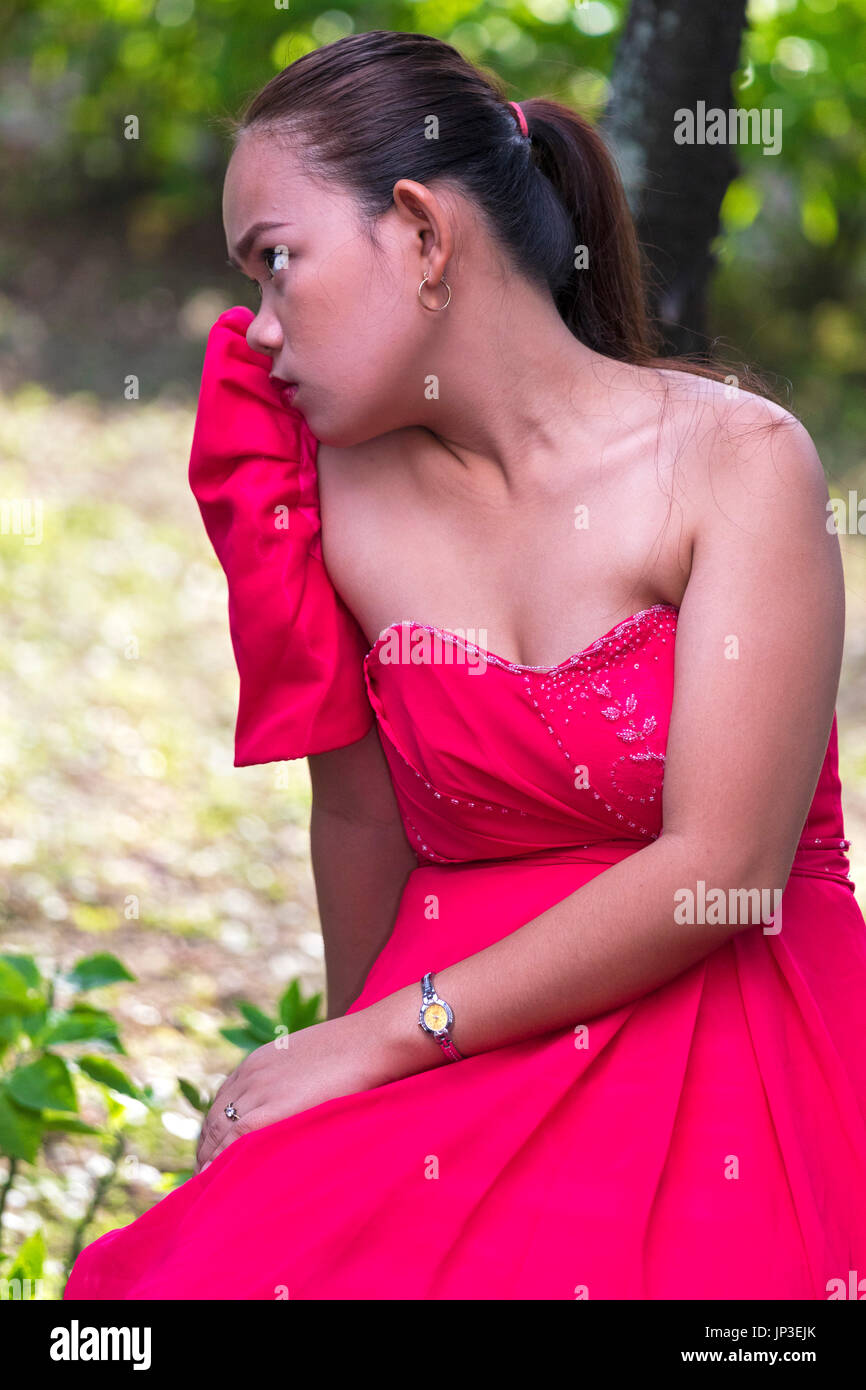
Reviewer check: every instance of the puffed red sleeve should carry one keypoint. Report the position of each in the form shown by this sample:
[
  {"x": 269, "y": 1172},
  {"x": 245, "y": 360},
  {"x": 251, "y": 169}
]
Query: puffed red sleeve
[{"x": 252, "y": 469}]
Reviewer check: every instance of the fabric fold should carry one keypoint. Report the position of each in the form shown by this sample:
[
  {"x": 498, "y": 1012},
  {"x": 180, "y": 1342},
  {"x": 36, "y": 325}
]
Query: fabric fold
[{"x": 252, "y": 469}]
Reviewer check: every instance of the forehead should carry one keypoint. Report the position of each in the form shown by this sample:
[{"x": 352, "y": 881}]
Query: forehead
[{"x": 264, "y": 182}]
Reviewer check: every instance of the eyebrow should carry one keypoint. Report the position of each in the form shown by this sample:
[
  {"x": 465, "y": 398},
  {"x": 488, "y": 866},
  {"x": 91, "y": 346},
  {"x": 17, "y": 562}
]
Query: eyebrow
[{"x": 245, "y": 244}]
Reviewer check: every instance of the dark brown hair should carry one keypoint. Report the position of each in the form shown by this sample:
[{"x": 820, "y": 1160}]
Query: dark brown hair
[{"x": 357, "y": 110}]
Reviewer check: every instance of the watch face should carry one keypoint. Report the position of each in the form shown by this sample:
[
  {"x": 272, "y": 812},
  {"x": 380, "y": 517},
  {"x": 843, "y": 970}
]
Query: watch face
[{"x": 435, "y": 1017}]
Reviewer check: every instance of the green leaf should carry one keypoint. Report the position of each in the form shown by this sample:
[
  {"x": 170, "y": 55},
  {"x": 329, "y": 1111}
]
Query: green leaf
[
  {"x": 16, "y": 996},
  {"x": 260, "y": 1025},
  {"x": 45, "y": 1084},
  {"x": 288, "y": 1005},
  {"x": 297, "y": 1013},
  {"x": 20, "y": 1130},
  {"x": 107, "y": 1074},
  {"x": 29, "y": 1260},
  {"x": 34, "y": 1024},
  {"x": 27, "y": 969},
  {"x": 82, "y": 1023},
  {"x": 241, "y": 1037},
  {"x": 93, "y": 971},
  {"x": 190, "y": 1093},
  {"x": 11, "y": 1026}
]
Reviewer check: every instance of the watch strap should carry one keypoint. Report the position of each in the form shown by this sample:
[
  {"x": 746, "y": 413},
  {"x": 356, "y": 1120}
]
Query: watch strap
[{"x": 444, "y": 1039}]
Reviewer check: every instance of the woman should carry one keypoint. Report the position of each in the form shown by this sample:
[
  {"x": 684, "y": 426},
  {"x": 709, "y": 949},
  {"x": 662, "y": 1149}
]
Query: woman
[{"x": 425, "y": 465}]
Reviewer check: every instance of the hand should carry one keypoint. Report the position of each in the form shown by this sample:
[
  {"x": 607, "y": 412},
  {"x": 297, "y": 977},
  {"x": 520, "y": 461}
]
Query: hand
[{"x": 293, "y": 1073}]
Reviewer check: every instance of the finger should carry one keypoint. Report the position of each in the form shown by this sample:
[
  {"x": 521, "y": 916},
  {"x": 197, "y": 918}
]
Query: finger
[
  {"x": 215, "y": 1126},
  {"x": 236, "y": 1131},
  {"x": 207, "y": 1141},
  {"x": 233, "y": 1089}
]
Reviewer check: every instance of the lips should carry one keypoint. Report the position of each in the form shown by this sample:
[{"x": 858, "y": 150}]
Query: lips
[{"x": 287, "y": 394}]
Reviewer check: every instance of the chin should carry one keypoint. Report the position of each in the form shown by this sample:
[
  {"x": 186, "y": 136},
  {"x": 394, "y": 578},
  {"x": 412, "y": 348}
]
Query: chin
[
  {"x": 334, "y": 438},
  {"x": 340, "y": 434}
]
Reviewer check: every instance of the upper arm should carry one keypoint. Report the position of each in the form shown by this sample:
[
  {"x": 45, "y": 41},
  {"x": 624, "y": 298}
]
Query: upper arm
[
  {"x": 758, "y": 649},
  {"x": 355, "y": 783}
]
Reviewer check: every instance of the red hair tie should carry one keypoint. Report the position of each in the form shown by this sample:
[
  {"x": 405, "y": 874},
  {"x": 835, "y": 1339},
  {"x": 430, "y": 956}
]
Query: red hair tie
[{"x": 520, "y": 116}]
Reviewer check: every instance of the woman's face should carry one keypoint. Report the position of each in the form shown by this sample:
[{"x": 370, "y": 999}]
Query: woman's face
[{"x": 338, "y": 318}]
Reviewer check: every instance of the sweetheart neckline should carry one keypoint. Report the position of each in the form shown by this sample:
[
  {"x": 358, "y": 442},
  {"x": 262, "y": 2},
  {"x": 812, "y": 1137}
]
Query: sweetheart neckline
[{"x": 518, "y": 665}]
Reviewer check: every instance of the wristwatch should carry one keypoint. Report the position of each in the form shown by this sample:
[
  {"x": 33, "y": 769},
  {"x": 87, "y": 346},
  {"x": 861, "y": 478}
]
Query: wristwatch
[{"x": 436, "y": 1018}]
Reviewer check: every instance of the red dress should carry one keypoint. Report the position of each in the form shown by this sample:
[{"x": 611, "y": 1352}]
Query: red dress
[{"x": 705, "y": 1141}]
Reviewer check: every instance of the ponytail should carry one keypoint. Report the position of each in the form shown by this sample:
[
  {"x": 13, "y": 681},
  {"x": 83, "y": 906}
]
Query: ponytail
[{"x": 603, "y": 301}]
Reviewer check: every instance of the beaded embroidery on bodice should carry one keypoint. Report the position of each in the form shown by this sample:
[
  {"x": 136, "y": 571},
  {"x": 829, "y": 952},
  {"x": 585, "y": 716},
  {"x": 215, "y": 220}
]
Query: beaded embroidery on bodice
[{"x": 567, "y": 756}]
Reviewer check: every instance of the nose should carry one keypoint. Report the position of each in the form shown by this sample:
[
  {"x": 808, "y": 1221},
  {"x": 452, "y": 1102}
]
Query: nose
[{"x": 264, "y": 333}]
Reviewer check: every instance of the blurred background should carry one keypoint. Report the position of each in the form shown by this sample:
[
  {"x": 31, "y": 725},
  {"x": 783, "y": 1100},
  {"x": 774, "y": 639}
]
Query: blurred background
[{"x": 127, "y": 834}]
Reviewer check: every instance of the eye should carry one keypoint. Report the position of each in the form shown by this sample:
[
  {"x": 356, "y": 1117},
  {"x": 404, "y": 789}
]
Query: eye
[{"x": 276, "y": 258}]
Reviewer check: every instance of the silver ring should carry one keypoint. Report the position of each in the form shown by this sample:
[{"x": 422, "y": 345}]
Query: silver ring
[{"x": 230, "y": 1112}]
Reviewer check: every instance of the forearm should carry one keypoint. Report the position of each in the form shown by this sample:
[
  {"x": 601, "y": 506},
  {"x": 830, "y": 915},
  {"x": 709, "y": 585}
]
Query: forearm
[
  {"x": 360, "y": 869},
  {"x": 612, "y": 941}
]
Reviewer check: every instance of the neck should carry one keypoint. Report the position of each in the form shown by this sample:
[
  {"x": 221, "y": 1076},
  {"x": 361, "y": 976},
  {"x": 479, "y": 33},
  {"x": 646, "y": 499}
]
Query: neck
[{"x": 515, "y": 386}]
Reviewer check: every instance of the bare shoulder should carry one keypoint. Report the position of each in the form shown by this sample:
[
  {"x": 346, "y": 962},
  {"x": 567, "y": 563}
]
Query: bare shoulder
[
  {"x": 758, "y": 507},
  {"x": 739, "y": 452}
]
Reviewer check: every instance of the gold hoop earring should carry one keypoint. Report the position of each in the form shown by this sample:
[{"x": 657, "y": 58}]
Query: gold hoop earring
[{"x": 432, "y": 308}]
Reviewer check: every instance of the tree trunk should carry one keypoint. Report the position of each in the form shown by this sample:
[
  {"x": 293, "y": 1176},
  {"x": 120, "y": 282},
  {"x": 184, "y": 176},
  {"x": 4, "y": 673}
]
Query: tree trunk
[{"x": 674, "y": 54}]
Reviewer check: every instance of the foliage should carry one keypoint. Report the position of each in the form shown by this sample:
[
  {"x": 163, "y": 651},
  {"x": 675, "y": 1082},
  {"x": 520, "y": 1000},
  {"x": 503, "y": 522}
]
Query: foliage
[
  {"x": 45, "y": 1023},
  {"x": 38, "y": 1094},
  {"x": 175, "y": 67},
  {"x": 293, "y": 1013}
]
